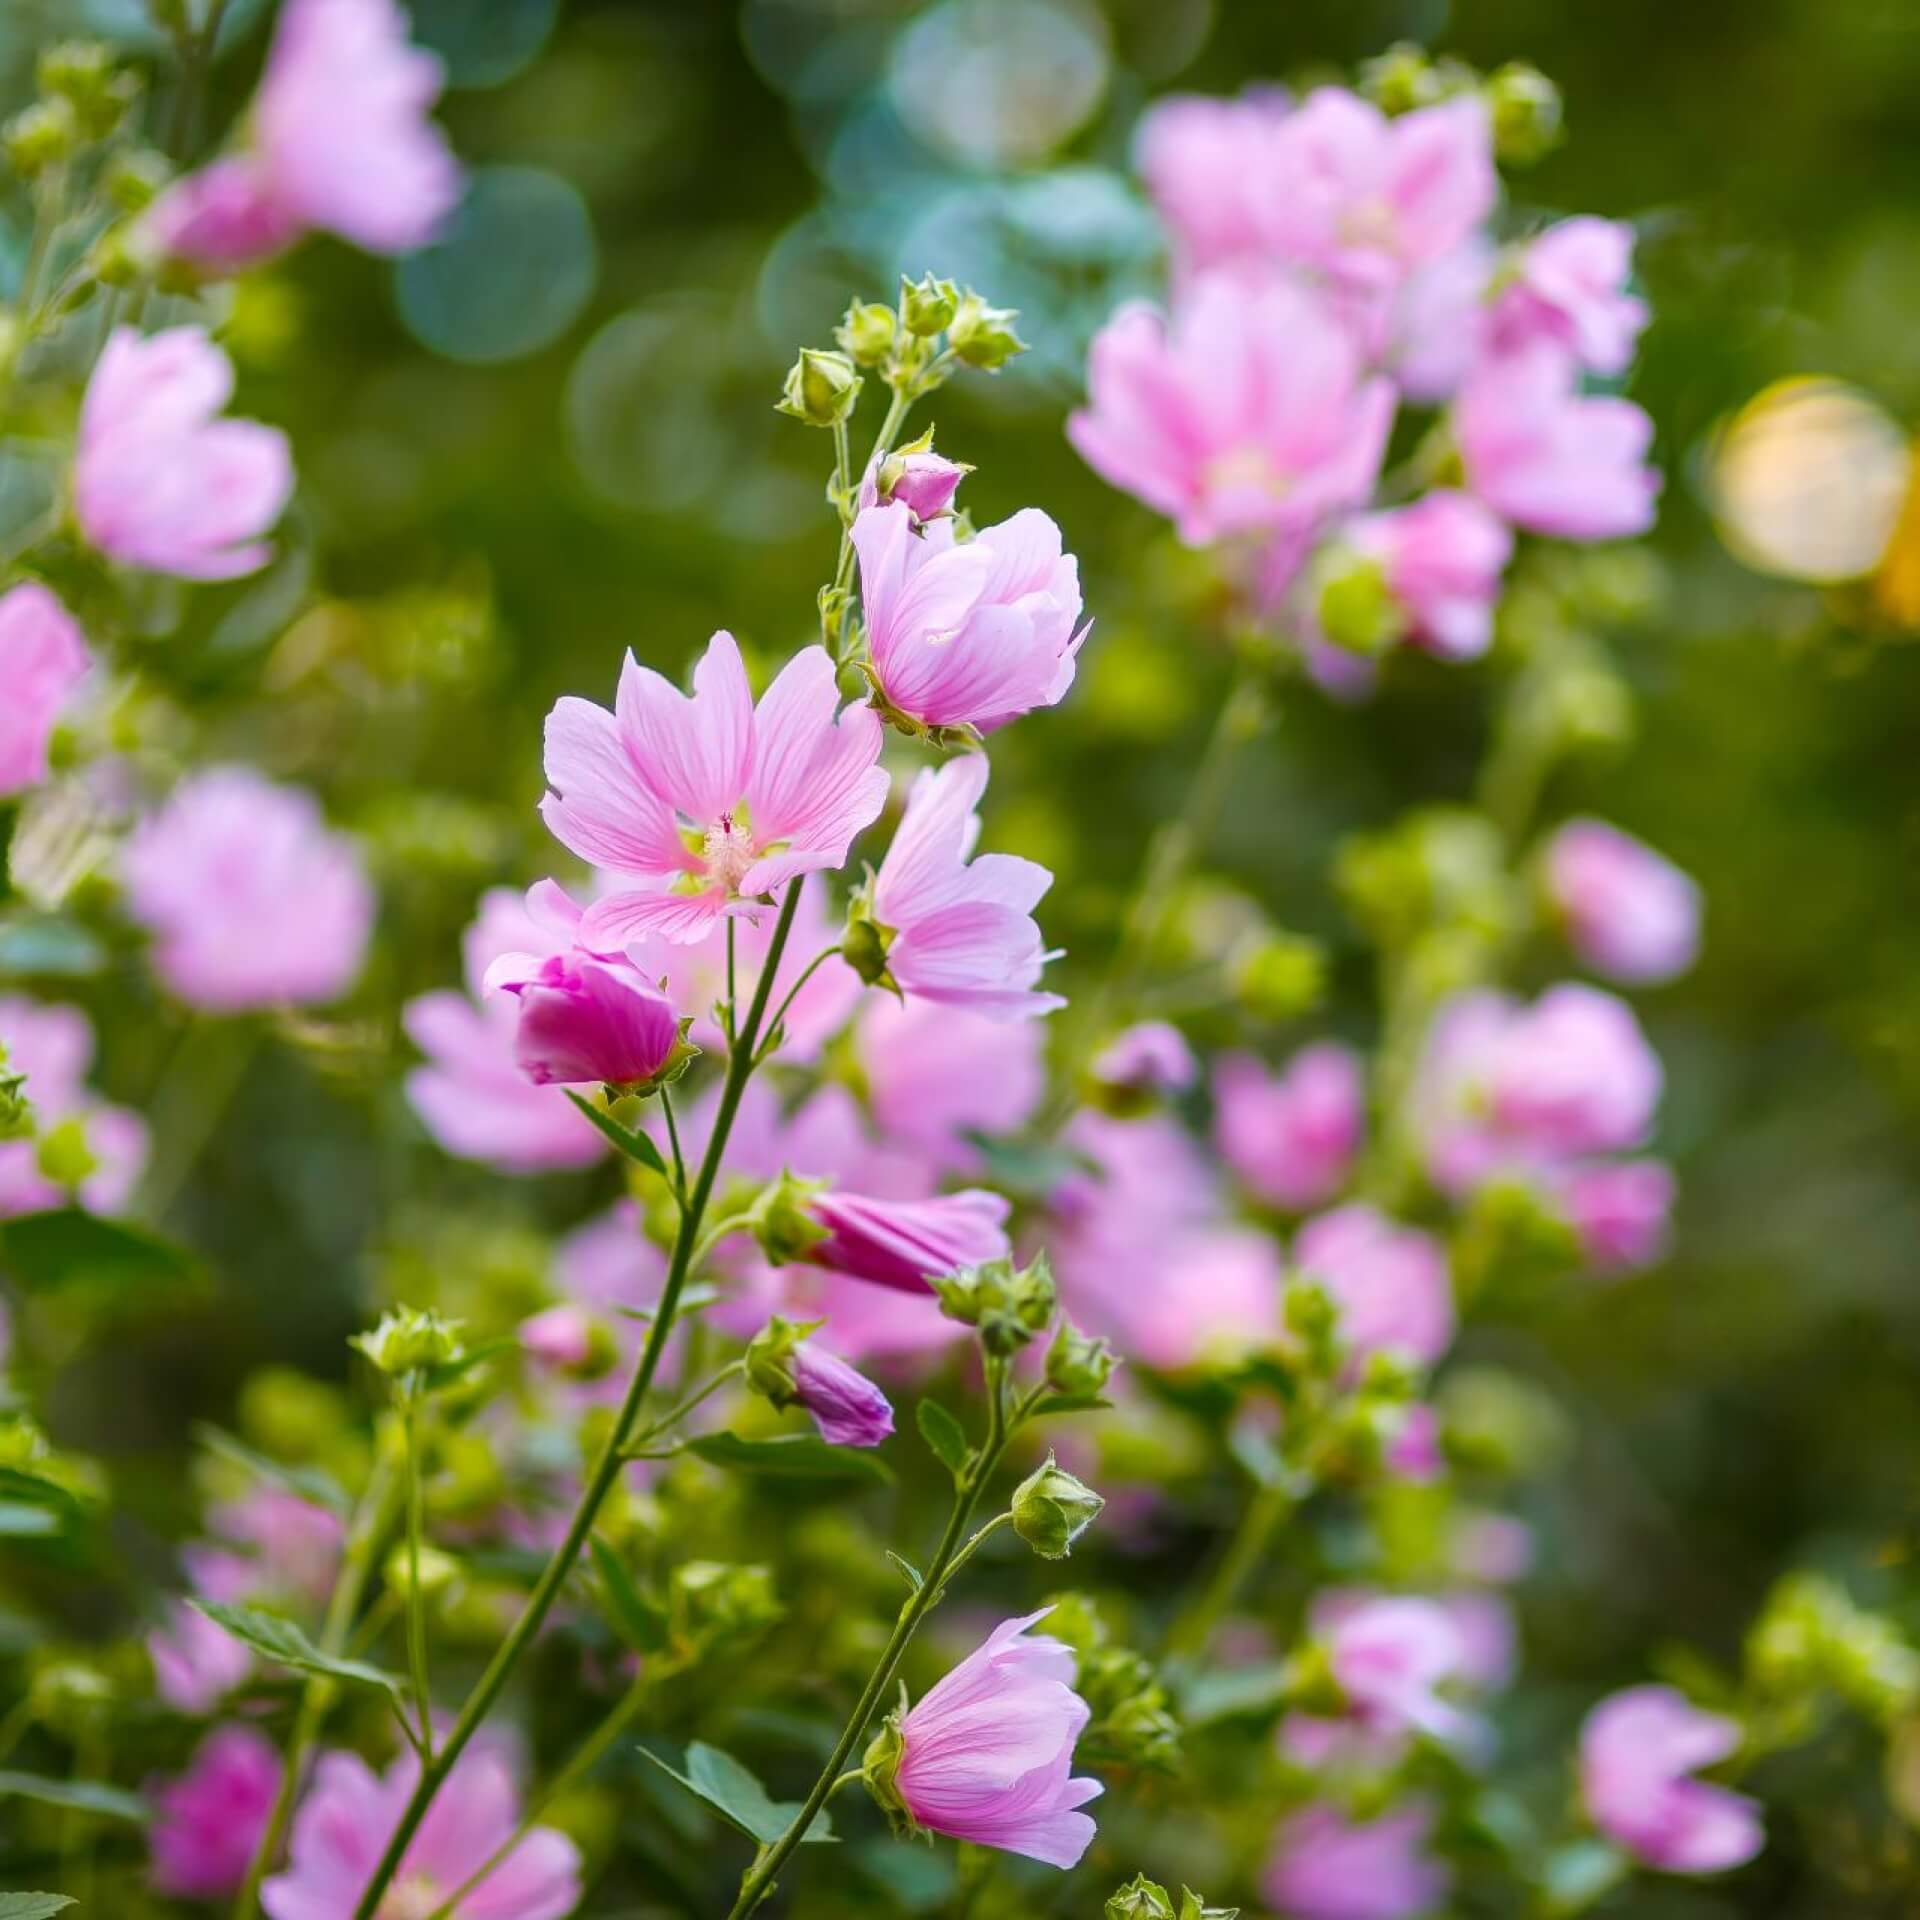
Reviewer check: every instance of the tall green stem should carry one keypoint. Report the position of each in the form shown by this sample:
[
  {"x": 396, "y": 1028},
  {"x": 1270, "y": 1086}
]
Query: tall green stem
[
  {"x": 416, "y": 1600},
  {"x": 606, "y": 1469}
]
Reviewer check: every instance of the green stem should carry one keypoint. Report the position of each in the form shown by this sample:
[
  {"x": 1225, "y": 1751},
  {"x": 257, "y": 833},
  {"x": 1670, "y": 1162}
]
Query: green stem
[
  {"x": 813, "y": 966},
  {"x": 898, "y": 408},
  {"x": 668, "y": 1421},
  {"x": 416, "y": 1600},
  {"x": 673, "y": 1140},
  {"x": 1258, "y": 1524},
  {"x": 196, "y": 56},
  {"x": 607, "y": 1468}
]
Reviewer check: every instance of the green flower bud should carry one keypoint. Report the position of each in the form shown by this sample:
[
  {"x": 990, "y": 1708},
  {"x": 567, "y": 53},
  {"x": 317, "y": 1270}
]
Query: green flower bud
[
  {"x": 710, "y": 1600},
  {"x": 866, "y": 334},
  {"x": 408, "y": 1341},
  {"x": 133, "y": 178},
  {"x": 927, "y": 305},
  {"x": 63, "y": 1155},
  {"x": 1008, "y": 1305},
  {"x": 821, "y": 388},
  {"x": 1140, "y": 1899},
  {"x": 115, "y": 260},
  {"x": 864, "y": 946},
  {"x": 983, "y": 336},
  {"x": 438, "y": 1571},
  {"x": 82, "y": 73},
  {"x": 1526, "y": 112},
  {"x": 1355, "y": 606},
  {"x": 881, "y": 1764},
  {"x": 1497, "y": 1422},
  {"x": 1401, "y": 79},
  {"x": 783, "y": 1223},
  {"x": 40, "y": 136},
  {"x": 1077, "y": 1363},
  {"x": 1280, "y": 977},
  {"x": 1052, "y": 1509},
  {"x": 1192, "y": 1909}
]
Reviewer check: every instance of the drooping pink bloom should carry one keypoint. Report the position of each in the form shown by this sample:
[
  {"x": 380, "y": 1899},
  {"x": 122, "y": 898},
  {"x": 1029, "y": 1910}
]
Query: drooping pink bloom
[
  {"x": 195, "y": 1663},
  {"x": 1442, "y": 557},
  {"x": 1547, "y": 458},
  {"x": 709, "y": 803},
  {"x": 908, "y": 1243},
  {"x": 1291, "y": 1137},
  {"x": 158, "y": 480},
  {"x": 1150, "y": 1057},
  {"x": 471, "y": 1095},
  {"x": 1389, "y": 1282},
  {"x": 1208, "y": 165},
  {"x": 251, "y": 899},
  {"x": 1251, "y": 412},
  {"x": 1638, "y": 1751},
  {"x": 1326, "y": 1867},
  {"x": 986, "y": 1755},
  {"x": 922, "y": 481},
  {"x": 271, "y": 1545},
  {"x": 963, "y": 932},
  {"x": 350, "y": 1812},
  {"x": 1622, "y": 1212},
  {"x": 339, "y": 139},
  {"x": 52, "y": 1046},
  {"x": 43, "y": 657},
  {"x": 1569, "y": 287},
  {"x": 847, "y": 1407},
  {"x": 208, "y": 1821},
  {"x": 1629, "y": 913},
  {"x": 1390, "y": 1653}
]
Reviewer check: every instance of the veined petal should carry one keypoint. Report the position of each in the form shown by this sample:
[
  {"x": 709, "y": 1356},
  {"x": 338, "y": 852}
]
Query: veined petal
[
  {"x": 599, "y": 807},
  {"x": 692, "y": 753}
]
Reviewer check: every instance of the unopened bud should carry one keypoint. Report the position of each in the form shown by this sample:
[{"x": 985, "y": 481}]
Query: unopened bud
[
  {"x": 927, "y": 305},
  {"x": 133, "y": 178},
  {"x": 1401, "y": 79},
  {"x": 1052, "y": 1509},
  {"x": 1356, "y": 608},
  {"x": 1140, "y": 1899},
  {"x": 63, "y": 1155},
  {"x": 866, "y": 334},
  {"x": 864, "y": 947},
  {"x": 40, "y": 136},
  {"x": 409, "y": 1341},
  {"x": 1077, "y": 1363},
  {"x": 1280, "y": 977},
  {"x": 878, "y": 1768},
  {"x": 821, "y": 388},
  {"x": 983, "y": 336},
  {"x": 438, "y": 1571},
  {"x": 1526, "y": 111},
  {"x": 783, "y": 1222},
  {"x": 770, "y": 1359},
  {"x": 82, "y": 73},
  {"x": 1008, "y": 1305}
]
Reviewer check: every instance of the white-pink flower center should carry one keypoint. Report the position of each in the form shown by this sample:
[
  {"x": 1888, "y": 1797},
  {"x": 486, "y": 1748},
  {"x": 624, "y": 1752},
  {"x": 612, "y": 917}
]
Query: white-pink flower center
[
  {"x": 1371, "y": 223},
  {"x": 728, "y": 851},
  {"x": 417, "y": 1897},
  {"x": 1248, "y": 470}
]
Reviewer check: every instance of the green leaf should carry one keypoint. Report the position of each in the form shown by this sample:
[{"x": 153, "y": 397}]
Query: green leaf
[
  {"x": 308, "y": 1482},
  {"x": 1069, "y": 1403},
  {"x": 1236, "y": 1693},
  {"x": 69, "y": 1248},
  {"x": 81, "y": 1796},
  {"x": 914, "y": 1577},
  {"x": 636, "y": 1146},
  {"x": 726, "y": 1786},
  {"x": 1028, "y": 1169},
  {"x": 438, "y": 1379},
  {"x": 692, "y": 1299},
  {"x": 637, "y": 1619},
  {"x": 33, "y": 1906},
  {"x": 279, "y": 1640},
  {"x": 944, "y": 1434},
  {"x": 796, "y": 1456}
]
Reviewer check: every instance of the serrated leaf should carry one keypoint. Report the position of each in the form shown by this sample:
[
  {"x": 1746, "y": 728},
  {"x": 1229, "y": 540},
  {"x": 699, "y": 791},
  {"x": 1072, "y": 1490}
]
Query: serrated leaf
[
  {"x": 944, "y": 1434},
  {"x": 797, "y": 1456},
  {"x": 321, "y": 1489},
  {"x": 733, "y": 1792},
  {"x": 279, "y": 1640},
  {"x": 70, "y": 1248},
  {"x": 636, "y": 1146},
  {"x": 634, "y": 1616},
  {"x": 33, "y": 1906},
  {"x": 81, "y": 1796}
]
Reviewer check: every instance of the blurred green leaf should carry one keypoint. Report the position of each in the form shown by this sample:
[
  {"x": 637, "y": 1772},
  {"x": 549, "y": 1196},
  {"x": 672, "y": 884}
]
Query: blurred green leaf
[
  {"x": 82, "y": 1796},
  {"x": 280, "y": 1641},
  {"x": 308, "y": 1482},
  {"x": 731, "y": 1790},
  {"x": 73, "y": 1249},
  {"x": 944, "y": 1434},
  {"x": 636, "y": 1146},
  {"x": 636, "y": 1618},
  {"x": 800, "y": 1456},
  {"x": 33, "y": 1906}
]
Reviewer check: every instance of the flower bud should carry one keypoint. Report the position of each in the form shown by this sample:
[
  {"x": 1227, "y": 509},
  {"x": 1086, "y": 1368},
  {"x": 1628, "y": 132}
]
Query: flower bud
[
  {"x": 1008, "y": 1305},
  {"x": 770, "y": 1358},
  {"x": 63, "y": 1155},
  {"x": 438, "y": 1571},
  {"x": 782, "y": 1221},
  {"x": 927, "y": 305},
  {"x": 864, "y": 946},
  {"x": 1140, "y": 1899},
  {"x": 866, "y": 334},
  {"x": 571, "y": 1342},
  {"x": 133, "y": 178},
  {"x": 407, "y": 1341},
  {"x": 1401, "y": 79},
  {"x": 1077, "y": 1364},
  {"x": 1355, "y": 606},
  {"x": 878, "y": 1768},
  {"x": 82, "y": 73},
  {"x": 983, "y": 336},
  {"x": 1280, "y": 977},
  {"x": 40, "y": 136},
  {"x": 1052, "y": 1509},
  {"x": 922, "y": 480},
  {"x": 1526, "y": 112},
  {"x": 709, "y": 1600},
  {"x": 821, "y": 388}
]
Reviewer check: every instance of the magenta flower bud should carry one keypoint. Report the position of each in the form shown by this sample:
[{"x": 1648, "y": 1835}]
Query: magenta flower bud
[
  {"x": 1441, "y": 559},
  {"x": 1327, "y": 1867},
  {"x": 923, "y": 481},
  {"x": 1622, "y": 1212},
  {"x": 1389, "y": 1283},
  {"x": 221, "y": 219},
  {"x": 908, "y": 1244},
  {"x": 1291, "y": 1136},
  {"x": 42, "y": 659},
  {"x": 208, "y": 1821},
  {"x": 1569, "y": 287},
  {"x": 1629, "y": 913},
  {"x": 1638, "y": 1751},
  {"x": 848, "y": 1408},
  {"x": 585, "y": 1019},
  {"x": 1413, "y": 1453}
]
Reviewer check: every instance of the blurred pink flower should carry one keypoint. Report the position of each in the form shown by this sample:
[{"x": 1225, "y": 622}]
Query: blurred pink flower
[
  {"x": 770, "y": 792},
  {"x": 1208, "y": 165},
  {"x": 1250, "y": 412},
  {"x": 252, "y": 901},
  {"x": 269, "y": 1544},
  {"x": 1215, "y": 1301},
  {"x": 43, "y": 658},
  {"x": 1150, "y": 1057},
  {"x": 1435, "y": 327},
  {"x": 1548, "y": 459},
  {"x": 969, "y": 635},
  {"x": 1442, "y": 557},
  {"x": 848, "y": 1408},
  {"x": 1414, "y": 1453},
  {"x": 1638, "y": 1751},
  {"x": 1291, "y": 1137},
  {"x": 1569, "y": 286},
  {"x": 208, "y": 1821},
  {"x": 195, "y": 1663},
  {"x": 986, "y": 1755},
  {"x": 349, "y": 1813},
  {"x": 561, "y": 1336},
  {"x": 1389, "y": 1653},
  {"x": 1489, "y": 1640},
  {"x": 908, "y": 1243},
  {"x": 1389, "y": 1282},
  {"x": 1326, "y": 1867},
  {"x": 158, "y": 481},
  {"x": 964, "y": 933},
  {"x": 1629, "y": 913},
  {"x": 52, "y": 1046},
  {"x": 1622, "y": 1212}
]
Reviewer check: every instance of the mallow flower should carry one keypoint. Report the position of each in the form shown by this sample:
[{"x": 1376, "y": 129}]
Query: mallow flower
[
  {"x": 792, "y": 1370},
  {"x": 1207, "y": 165},
  {"x": 208, "y": 1821},
  {"x": 908, "y": 1244},
  {"x": 936, "y": 926},
  {"x": 708, "y": 802},
  {"x": 1440, "y": 559},
  {"x": 921, "y": 480},
  {"x": 966, "y": 635},
  {"x": 1326, "y": 1866},
  {"x": 1569, "y": 286},
  {"x": 1622, "y": 1211},
  {"x": 1389, "y": 1283},
  {"x": 986, "y": 1755},
  {"x": 251, "y": 899},
  {"x": 1629, "y": 913},
  {"x": 43, "y": 658},
  {"x": 195, "y": 1663},
  {"x": 1389, "y": 1653},
  {"x": 86, "y": 1152},
  {"x": 159, "y": 481},
  {"x": 1291, "y": 1136},
  {"x": 1638, "y": 1752}
]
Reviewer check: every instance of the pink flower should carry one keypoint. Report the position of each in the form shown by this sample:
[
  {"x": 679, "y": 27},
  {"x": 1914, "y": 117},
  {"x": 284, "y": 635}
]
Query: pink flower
[
  {"x": 340, "y": 141},
  {"x": 987, "y": 1753},
  {"x": 1151, "y": 1057},
  {"x": 158, "y": 481},
  {"x": 1442, "y": 557},
  {"x": 1389, "y": 1282},
  {"x": 562, "y": 1336},
  {"x": 934, "y": 1074},
  {"x": 1414, "y": 1452},
  {"x": 1389, "y": 1653},
  {"x": 847, "y": 1407},
  {"x": 208, "y": 1821},
  {"x": 471, "y": 1094},
  {"x": 1291, "y": 1137},
  {"x": 1569, "y": 287},
  {"x": 963, "y": 934},
  {"x": 270, "y": 1544},
  {"x": 1215, "y": 1301},
  {"x": 1327, "y": 1867},
  {"x": 1629, "y": 913},
  {"x": 42, "y": 659},
  {"x": 195, "y": 1664},
  {"x": 1621, "y": 1212},
  {"x": 907, "y": 1243},
  {"x": 52, "y": 1046},
  {"x": 921, "y": 481},
  {"x": 1251, "y": 412},
  {"x": 764, "y": 794},
  {"x": 251, "y": 900},
  {"x": 349, "y": 1813},
  {"x": 1638, "y": 1750},
  {"x": 1545, "y": 458},
  {"x": 1436, "y": 324},
  {"x": 1208, "y": 164}
]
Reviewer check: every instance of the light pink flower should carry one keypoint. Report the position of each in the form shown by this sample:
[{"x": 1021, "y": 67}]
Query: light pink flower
[
  {"x": 1622, "y": 1212},
  {"x": 1494, "y": 1547},
  {"x": 158, "y": 481},
  {"x": 848, "y": 1408},
  {"x": 1629, "y": 913},
  {"x": 1150, "y": 1057},
  {"x": 350, "y": 1812},
  {"x": 43, "y": 657},
  {"x": 964, "y": 933},
  {"x": 765, "y": 794},
  {"x": 52, "y": 1046},
  {"x": 1389, "y": 1282},
  {"x": 1327, "y": 1867},
  {"x": 1249, "y": 413},
  {"x": 471, "y": 1094},
  {"x": 922, "y": 481},
  {"x": 1436, "y": 324},
  {"x": 1442, "y": 557},
  {"x": 1413, "y": 1453},
  {"x": 252, "y": 901},
  {"x": 1208, "y": 165},
  {"x": 986, "y": 1755},
  {"x": 908, "y": 1243},
  {"x": 1291, "y": 1137},
  {"x": 1548, "y": 459},
  {"x": 1638, "y": 1751},
  {"x": 1215, "y": 1301},
  {"x": 270, "y": 1544},
  {"x": 1569, "y": 287},
  {"x": 208, "y": 1821},
  {"x": 195, "y": 1663},
  {"x": 560, "y": 1336},
  {"x": 1389, "y": 1653},
  {"x": 1489, "y": 1639}
]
